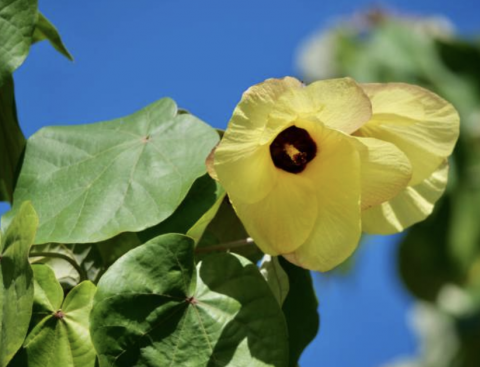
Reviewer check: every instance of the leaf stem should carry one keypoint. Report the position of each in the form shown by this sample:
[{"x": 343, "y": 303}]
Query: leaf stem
[
  {"x": 81, "y": 272},
  {"x": 226, "y": 246}
]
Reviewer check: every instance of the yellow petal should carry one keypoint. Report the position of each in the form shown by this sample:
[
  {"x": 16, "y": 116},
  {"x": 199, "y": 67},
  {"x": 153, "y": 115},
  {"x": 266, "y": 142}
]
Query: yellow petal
[
  {"x": 412, "y": 205},
  {"x": 336, "y": 173},
  {"x": 385, "y": 170},
  {"x": 256, "y": 104},
  {"x": 338, "y": 103},
  {"x": 283, "y": 220},
  {"x": 247, "y": 175},
  {"x": 423, "y": 125},
  {"x": 242, "y": 165}
]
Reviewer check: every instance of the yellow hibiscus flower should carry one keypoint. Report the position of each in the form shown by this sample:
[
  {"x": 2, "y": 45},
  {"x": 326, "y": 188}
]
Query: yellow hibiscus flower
[{"x": 307, "y": 168}]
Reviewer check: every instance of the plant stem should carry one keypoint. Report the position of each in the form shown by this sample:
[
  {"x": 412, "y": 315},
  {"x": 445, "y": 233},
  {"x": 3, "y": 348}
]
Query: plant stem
[
  {"x": 78, "y": 268},
  {"x": 226, "y": 246}
]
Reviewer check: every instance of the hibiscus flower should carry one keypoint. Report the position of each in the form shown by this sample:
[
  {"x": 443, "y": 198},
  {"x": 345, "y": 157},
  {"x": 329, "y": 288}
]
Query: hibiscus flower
[{"x": 307, "y": 168}]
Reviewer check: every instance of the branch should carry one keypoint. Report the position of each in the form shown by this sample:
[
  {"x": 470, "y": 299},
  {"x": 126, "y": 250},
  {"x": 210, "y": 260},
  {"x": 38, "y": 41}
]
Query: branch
[{"x": 226, "y": 246}]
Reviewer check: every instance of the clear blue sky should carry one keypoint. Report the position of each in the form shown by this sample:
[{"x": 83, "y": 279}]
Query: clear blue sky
[{"x": 204, "y": 54}]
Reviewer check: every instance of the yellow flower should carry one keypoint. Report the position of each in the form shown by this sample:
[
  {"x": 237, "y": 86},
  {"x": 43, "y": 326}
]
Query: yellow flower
[{"x": 307, "y": 168}]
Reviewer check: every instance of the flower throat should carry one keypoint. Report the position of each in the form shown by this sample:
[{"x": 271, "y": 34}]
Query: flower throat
[{"x": 292, "y": 149}]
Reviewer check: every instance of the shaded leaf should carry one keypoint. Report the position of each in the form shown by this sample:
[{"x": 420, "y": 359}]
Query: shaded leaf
[
  {"x": 44, "y": 30},
  {"x": 153, "y": 307},
  {"x": 112, "y": 249},
  {"x": 275, "y": 277},
  {"x": 425, "y": 263},
  {"x": 200, "y": 199},
  {"x": 226, "y": 232},
  {"x": 86, "y": 256},
  {"x": 198, "y": 229},
  {"x": 12, "y": 141},
  {"x": 464, "y": 234},
  {"x": 17, "y": 21},
  {"x": 16, "y": 281},
  {"x": 300, "y": 309},
  {"x": 61, "y": 338},
  {"x": 461, "y": 57},
  {"x": 123, "y": 175}
]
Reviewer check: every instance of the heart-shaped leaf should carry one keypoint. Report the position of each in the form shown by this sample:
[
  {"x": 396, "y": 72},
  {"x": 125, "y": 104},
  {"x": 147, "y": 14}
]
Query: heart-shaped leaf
[
  {"x": 61, "y": 338},
  {"x": 17, "y": 21},
  {"x": 154, "y": 308},
  {"x": 16, "y": 281},
  {"x": 91, "y": 182}
]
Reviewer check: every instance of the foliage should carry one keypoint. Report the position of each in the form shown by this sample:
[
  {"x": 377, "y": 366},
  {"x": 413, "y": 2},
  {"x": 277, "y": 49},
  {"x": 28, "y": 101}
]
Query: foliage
[
  {"x": 16, "y": 281},
  {"x": 139, "y": 257}
]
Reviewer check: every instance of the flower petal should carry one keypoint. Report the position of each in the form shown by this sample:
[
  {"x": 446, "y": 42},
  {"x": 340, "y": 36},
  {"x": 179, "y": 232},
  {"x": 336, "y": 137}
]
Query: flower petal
[
  {"x": 283, "y": 220},
  {"x": 338, "y": 103},
  {"x": 243, "y": 166},
  {"x": 247, "y": 175},
  {"x": 336, "y": 173},
  {"x": 423, "y": 125},
  {"x": 385, "y": 170},
  {"x": 412, "y": 205}
]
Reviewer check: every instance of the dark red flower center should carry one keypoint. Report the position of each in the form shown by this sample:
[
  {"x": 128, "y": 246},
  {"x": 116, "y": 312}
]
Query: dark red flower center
[{"x": 292, "y": 149}]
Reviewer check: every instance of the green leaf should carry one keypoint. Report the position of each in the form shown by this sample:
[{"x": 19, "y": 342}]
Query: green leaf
[
  {"x": 226, "y": 232},
  {"x": 87, "y": 258},
  {"x": 154, "y": 308},
  {"x": 62, "y": 338},
  {"x": 464, "y": 234},
  {"x": 89, "y": 183},
  {"x": 44, "y": 30},
  {"x": 12, "y": 141},
  {"x": 17, "y": 21},
  {"x": 300, "y": 309},
  {"x": 425, "y": 262},
  {"x": 112, "y": 249},
  {"x": 16, "y": 281},
  {"x": 275, "y": 277},
  {"x": 48, "y": 295},
  {"x": 201, "y": 198},
  {"x": 461, "y": 57},
  {"x": 198, "y": 229}
]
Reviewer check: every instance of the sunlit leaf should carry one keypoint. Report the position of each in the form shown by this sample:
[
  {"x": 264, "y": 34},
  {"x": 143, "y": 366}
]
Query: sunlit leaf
[
  {"x": 16, "y": 282},
  {"x": 89, "y": 183},
  {"x": 61, "y": 338},
  {"x": 275, "y": 277},
  {"x": 48, "y": 295},
  {"x": 17, "y": 21},
  {"x": 154, "y": 308},
  {"x": 45, "y": 30}
]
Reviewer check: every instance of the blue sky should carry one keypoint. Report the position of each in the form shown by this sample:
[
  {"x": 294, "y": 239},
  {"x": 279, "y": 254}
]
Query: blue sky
[{"x": 204, "y": 54}]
